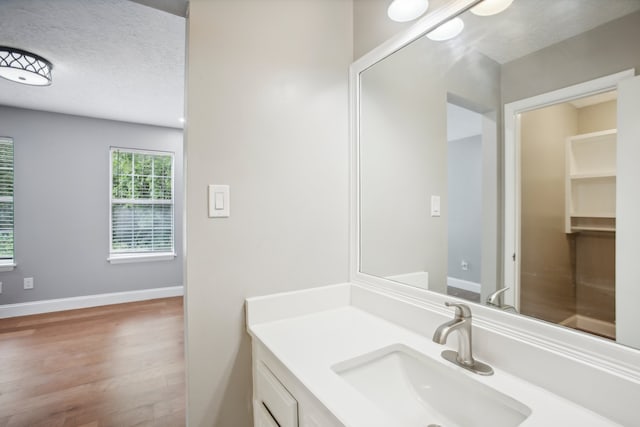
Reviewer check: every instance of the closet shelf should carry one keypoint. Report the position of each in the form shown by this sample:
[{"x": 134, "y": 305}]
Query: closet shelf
[
  {"x": 605, "y": 135},
  {"x": 592, "y": 215},
  {"x": 590, "y": 182},
  {"x": 605, "y": 229},
  {"x": 594, "y": 175}
]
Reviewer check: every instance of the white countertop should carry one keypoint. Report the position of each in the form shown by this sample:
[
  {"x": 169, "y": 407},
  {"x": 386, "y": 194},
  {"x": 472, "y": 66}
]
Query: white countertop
[{"x": 309, "y": 345}]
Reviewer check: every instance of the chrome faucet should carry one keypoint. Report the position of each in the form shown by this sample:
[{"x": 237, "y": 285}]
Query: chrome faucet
[
  {"x": 493, "y": 300},
  {"x": 464, "y": 356}
]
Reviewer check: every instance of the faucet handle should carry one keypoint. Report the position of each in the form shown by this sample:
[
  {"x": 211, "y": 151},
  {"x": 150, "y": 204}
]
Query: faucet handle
[
  {"x": 494, "y": 298},
  {"x": 462, "y": 310}
]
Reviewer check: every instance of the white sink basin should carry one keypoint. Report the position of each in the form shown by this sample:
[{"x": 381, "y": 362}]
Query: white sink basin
[{"x": 421, "y": 392}]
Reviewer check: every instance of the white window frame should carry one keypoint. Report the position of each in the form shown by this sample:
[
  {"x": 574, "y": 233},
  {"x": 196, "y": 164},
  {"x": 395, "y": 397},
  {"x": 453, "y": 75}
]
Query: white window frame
[
  {"x": 10, "y": 264},
  {"x": 129, "y": 257}
]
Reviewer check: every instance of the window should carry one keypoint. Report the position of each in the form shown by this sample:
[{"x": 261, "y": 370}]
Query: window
[
  {"x": 6, "y": 204},
  {"x": 141, "y": 205}
]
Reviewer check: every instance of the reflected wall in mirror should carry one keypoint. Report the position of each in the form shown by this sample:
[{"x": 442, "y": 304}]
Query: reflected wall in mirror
[{"x": 500, "y": 166}]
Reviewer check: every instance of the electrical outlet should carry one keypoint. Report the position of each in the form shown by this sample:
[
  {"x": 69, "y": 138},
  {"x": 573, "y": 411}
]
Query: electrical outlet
[
  {"x": 464, "y": 265},
  {"x": 28, "y": 282}
]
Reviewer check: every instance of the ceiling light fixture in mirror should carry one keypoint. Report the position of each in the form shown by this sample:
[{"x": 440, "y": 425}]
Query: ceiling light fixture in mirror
[
  {"x": 491, "y": 7},
  {"x": 447, "y": 31},
  {"x": 407, "y": 10}
]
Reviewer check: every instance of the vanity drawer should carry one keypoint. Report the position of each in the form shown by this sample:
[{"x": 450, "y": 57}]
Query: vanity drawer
[{"x": 276, "y": 399}]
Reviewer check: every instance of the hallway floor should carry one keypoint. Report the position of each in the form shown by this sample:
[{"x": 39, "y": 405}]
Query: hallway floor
[{"x": 119, "y": 365}]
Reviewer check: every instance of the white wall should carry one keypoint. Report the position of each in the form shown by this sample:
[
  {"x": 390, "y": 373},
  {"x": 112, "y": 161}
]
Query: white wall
[
  {"x": 403, "y": 159},
  {"x": 61, "y": 199},
  {"x": 628, "y": 212},
  {"x": 267, "y": 114},
  {"x": 372, "y": 26},
  {"x": 403, "y": 151}
]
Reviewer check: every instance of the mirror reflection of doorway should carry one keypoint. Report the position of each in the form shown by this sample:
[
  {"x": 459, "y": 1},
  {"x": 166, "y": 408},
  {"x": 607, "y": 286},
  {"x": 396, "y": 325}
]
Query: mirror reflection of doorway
[
  {"x": 464, "y": 182},
  {"x": 567, "y": 217}
]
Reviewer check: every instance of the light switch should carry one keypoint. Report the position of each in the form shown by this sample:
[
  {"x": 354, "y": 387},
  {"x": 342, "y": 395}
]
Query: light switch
[
  {"x": 218, "y": 201},
  {"x": 435, "y": 205},
  {"x": 219, "y": 197}
]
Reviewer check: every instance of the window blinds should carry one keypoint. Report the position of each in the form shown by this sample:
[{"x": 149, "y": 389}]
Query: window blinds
[
  {"x": 6, "y": 199},
  {"x": 141, "y": 202}
]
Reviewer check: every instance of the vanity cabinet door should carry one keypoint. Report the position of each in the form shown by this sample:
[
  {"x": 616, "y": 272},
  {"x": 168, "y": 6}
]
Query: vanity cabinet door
[
  {"x": 277, "y": 400},
  {"x": 264, "y": 418}
]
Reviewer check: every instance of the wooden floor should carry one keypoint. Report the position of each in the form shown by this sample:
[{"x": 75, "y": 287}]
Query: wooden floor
[
  {"x": 461, "y": 293},
  {"x": 119, "y": 365}
]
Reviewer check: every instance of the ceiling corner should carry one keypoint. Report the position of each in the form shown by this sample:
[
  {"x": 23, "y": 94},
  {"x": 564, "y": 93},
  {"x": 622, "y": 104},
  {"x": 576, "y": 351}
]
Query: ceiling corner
[{"x": 175, "y": 7}]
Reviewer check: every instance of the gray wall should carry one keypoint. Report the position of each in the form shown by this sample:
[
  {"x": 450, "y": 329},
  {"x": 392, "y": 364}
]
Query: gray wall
[
  {"x": 268, "y": 115},
  {"x": 62, "y": 206},
  {"x": 465, "y": 207},
  {"x": 607, "y": 49}
]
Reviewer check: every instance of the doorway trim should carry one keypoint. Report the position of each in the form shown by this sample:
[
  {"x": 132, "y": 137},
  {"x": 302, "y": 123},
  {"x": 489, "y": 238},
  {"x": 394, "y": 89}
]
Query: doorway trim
[{"x": 512, "y": 184}]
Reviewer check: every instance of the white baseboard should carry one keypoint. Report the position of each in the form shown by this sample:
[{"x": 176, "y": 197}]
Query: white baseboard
[
  {"x": 463, "y": 284},
  {"x": 61, "y": 304}
]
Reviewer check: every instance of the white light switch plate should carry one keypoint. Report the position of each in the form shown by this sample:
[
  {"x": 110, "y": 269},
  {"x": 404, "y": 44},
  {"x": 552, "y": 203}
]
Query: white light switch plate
[{"x": 219, "y": 201}]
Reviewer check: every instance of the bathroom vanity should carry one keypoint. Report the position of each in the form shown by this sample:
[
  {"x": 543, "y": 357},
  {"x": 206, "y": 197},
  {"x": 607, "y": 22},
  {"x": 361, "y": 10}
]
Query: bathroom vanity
[
  {"x": 350, "y": 355},
  {"x": 430, "y": 226}
]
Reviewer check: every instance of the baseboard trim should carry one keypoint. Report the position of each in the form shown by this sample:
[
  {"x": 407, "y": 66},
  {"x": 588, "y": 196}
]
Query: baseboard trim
[
  {"x": 61, "y": 304},
  {"x": 463, "y": 284}
]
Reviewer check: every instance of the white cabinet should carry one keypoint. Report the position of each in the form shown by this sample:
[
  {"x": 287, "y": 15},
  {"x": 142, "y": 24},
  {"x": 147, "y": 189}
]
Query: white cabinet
[
  {"x": 264, "y": 418},
  {"x": 590, "y": 186},
  {"x": 279, "y": 400},
  {"x": 273, "y": 397}
]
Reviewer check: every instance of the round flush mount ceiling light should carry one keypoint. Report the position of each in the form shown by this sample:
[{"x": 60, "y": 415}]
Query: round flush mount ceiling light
[
  {"x": 490, "y": 7},
  {"x": 24, "y": 67},
  {"x": 407, "y": 10},
  {"x": 447, "y": 31}
]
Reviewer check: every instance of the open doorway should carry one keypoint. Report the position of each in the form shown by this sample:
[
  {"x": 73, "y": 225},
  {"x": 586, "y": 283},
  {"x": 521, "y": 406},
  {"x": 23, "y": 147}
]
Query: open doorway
[
  {"x": 464, "y": 181},
  {"x": 562, "y": 204},
  {"x": 91, "y": 252},
  {"x": 567, "y": 213}
]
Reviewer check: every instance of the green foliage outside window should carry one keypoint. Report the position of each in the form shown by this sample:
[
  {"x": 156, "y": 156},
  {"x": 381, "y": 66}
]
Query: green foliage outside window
[
  {"x": 140, "y": 226},
  {"x": 142, "y": 176},
  {"x": 6, "y": 199}
]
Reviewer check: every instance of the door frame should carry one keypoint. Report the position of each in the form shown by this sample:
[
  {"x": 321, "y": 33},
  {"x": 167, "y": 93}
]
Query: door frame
[{"x": 512, "y": 178}]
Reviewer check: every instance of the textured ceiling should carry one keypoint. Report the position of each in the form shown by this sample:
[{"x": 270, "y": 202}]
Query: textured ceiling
[
  {"x": 112, "y": 59},
  {"x": 530, "y": 25}
]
